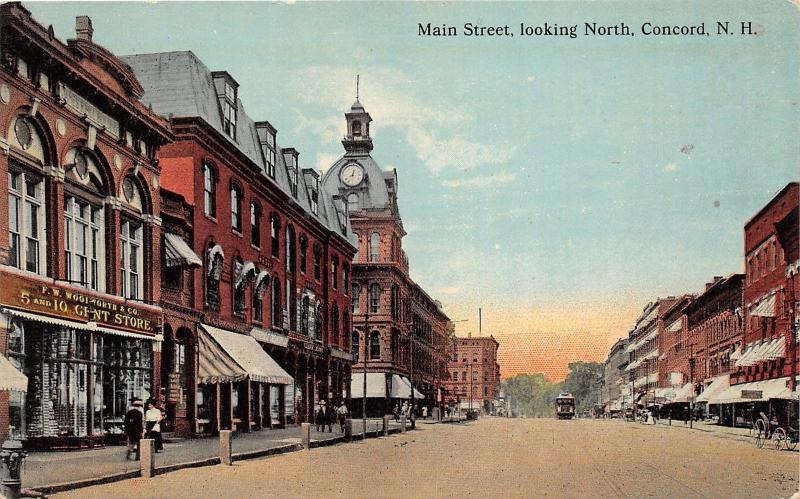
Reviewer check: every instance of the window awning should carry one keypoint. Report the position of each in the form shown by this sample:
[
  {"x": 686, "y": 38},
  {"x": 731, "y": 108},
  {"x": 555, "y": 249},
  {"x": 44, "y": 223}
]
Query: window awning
[
  {"x": 757, "y": 390},
  {"x": 226, "y": 356},
  {"x": 10, "y": 378},
  {"x": 763, "y": 351},
  {"x": 407, "y": 389},
  {"x": 717, "y": 386},
  {"x": 376, "y": 385},
  {"x": 273, "y": 338},
  {"x": 765, "y": 307},
  {"x": 83, "y": 326},
  {"x": 178, "y": 254}
]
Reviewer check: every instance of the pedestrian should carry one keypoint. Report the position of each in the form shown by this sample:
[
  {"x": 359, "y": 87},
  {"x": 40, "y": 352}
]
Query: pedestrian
[
  {"x": 134, "y": 427},
  {"x": 330, "y": 415},
  {"x": 424, "y": 412},
  {"x": 152, "y": 420},
  {"x": 396, "y": 412},
  {"x": 404, "y": 409},
  {"x": 320, "y": 417},
  {"x": 341, "y": 412}
]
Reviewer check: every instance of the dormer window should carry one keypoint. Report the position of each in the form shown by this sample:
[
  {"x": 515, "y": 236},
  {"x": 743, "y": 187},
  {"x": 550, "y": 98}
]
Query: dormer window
[
  {"x": 271, "y": 154},
  {"x": 315, "y": 201},
  {"x": 229, "y": 114}
]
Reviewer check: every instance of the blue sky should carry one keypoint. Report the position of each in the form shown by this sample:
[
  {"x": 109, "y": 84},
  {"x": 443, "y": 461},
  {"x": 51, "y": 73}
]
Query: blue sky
[{"x": 539, "y": 177}]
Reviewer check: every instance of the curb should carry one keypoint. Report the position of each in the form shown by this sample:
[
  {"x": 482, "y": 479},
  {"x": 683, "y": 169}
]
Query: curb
[{"x": 211, "y": 461}]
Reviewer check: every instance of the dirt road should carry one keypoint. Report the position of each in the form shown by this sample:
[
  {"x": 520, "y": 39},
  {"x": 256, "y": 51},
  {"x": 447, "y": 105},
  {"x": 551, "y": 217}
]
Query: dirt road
[{"x": 497, "y": 458}]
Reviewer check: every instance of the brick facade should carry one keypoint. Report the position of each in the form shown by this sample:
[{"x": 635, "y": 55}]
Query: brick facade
[{"x": 473, "y": 368}]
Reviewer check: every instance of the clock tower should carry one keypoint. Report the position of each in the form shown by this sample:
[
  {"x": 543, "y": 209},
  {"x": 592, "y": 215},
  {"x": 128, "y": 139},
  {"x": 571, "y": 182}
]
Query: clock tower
[{"x": 357, "y": 139}]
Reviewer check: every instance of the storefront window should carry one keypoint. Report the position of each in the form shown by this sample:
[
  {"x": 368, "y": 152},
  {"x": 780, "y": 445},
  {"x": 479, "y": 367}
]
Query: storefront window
[
  {"x": 16, "y": 405},
  {"x": 127, "y": 373},
  {"x": 274, "y": 399}
]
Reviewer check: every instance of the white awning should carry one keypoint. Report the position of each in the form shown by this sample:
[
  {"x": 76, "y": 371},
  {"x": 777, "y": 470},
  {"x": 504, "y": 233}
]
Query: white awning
[
  {"x": 178, "y": 253},
  {"x": 260, "y": 284},
  {"x": 83, "y": 326},
  {"x": 417, "y": 393},
  {"x": 10, "y": 378},
  {"x": 247, "y": 272},
  {"x": 675, "y": 326},
  {"x": 245, "y": 352},
  {"x": 376, "y": 385},
  {"x": 764, "y": 307},
  {"x": 737, "y": 354},
  {"x": 400, "y": 389},
  {"x": 757, "y": 390},
  {"x": 717, "y": 386},
  {"x": 270, "y": 337},
  {"x": 763, "y": 351}
]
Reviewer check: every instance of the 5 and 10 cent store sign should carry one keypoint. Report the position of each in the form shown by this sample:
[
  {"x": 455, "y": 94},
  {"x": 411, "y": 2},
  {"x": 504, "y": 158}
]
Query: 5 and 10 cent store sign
[{"x": 31, "y": 296}]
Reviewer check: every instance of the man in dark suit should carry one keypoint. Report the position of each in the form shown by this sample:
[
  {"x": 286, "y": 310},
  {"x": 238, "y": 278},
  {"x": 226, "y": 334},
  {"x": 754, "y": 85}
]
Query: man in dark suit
[{"x": 134, "y": 427}]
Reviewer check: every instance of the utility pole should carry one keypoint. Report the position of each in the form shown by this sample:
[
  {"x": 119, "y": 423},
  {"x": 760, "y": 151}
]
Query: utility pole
[{"x": 691, "y": 384}]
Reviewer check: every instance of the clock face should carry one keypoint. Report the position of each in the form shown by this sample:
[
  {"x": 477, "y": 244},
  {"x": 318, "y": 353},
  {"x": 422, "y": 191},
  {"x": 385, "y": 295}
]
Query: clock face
[{"x": 352, "y": 175}]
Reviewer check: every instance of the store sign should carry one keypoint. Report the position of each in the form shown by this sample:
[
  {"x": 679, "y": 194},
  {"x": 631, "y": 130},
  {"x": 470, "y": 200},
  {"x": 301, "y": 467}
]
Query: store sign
[
  {"x": 31, "y": 296},
  {"x": 752, "y": 394},
  {"x": 83, "y": 108},
  {"x": 314, "y": 347}
]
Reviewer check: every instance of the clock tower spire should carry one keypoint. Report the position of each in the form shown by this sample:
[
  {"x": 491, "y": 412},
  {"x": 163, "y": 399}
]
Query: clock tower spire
[{"x": 358, "y": 119}]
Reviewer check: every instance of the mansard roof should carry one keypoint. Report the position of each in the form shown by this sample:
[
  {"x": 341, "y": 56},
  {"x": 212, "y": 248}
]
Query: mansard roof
[
  {"x": 180, "y": 85},
  {"x": 377, "y": 190}
]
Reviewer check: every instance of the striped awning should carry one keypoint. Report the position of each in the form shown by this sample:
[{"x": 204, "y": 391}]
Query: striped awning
[
  {"x": 764, "y": 307},
  {"x": 717, "y": 386},
  {"x": 10, "y": 377},
  {"x": 376, "y": 385},
  {"x": 178, "y": 254},
  {"x": 226, "y": 357}
]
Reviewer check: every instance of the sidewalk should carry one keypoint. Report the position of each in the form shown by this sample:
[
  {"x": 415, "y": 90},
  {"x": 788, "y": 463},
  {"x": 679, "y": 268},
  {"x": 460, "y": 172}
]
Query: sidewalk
[
  {"x": 741, "y": 434},
  {"x": 53, "y": 471}
]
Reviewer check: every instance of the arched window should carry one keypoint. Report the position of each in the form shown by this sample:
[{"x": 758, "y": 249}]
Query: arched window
[
  {"x": 395, "y": 300},
  {"x": 255, "y": 224},
  {"x": 258, "y": 296},
  {"x": 277, "y": 313},
  {"x": 334, "y": 272},
  {"x": 345, "y": 277},
  {"x": 214, "y": 263},
  {"x": 305, "y": 311},
  {"x": 374, "y": 297},
  {"x": 210, "y": 190},
  {"x": 317, "y": 262},
  {"x": 318, "y": 322},
  {"x": 352, "y": 202},
  {"x": 275, "y": 231},
  {"x": 374, "y": 246},
  {"x": 356, "y": 128},
  {"x": 132, "y": 239},
  {"x": 354, "y": 345},
  {"x": 374, "y": 345},
  {"x": 238, "y": 288},
  {"x": 236, "y": 208},
  {"x": 355, "y": 295}
]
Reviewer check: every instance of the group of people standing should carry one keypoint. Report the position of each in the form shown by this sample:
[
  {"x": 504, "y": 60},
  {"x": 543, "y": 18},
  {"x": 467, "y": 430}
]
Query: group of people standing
[
  {"x": 407, "y": 411},
  {"x": 327, "y": 414},
  {"x": 141, "y": 422}
]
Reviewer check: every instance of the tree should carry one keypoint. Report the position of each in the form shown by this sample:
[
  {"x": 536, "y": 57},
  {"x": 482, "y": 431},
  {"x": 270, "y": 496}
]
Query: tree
[
  {"x": 531, "y": 395},
  {"x": 582, "y": 382}
]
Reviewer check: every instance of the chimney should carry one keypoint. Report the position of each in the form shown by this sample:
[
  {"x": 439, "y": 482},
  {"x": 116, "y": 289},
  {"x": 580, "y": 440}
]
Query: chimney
[{"x": 83, "y": 28}]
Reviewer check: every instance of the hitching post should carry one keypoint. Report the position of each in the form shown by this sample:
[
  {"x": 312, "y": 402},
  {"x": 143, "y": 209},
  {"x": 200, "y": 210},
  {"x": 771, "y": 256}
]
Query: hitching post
[{"x": 11, "y": 457}]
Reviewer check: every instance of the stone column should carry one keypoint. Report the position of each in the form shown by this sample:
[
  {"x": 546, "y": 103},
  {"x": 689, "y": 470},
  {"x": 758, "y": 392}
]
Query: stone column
[
  {"x": 385, "y": 425},
  {"x": 305, "y": 435},
  {"x": 225, "y": 448},
  {"x": 147, "y": 455}
]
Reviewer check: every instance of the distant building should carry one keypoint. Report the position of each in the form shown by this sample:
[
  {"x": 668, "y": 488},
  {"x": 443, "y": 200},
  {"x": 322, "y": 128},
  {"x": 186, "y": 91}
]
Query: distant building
[
  {"x": 474, "y": 379},
  {"x": 612, "y": 394}
]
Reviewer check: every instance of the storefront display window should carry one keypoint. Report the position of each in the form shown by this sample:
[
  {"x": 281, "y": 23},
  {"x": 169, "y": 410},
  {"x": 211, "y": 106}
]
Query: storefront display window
[{"x": 127, "y": 373}]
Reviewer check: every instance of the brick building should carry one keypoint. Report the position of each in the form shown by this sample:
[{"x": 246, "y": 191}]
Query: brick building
[
  {"x": 675, "y": 347},
  {"x": 769, "y": 351},
  {"x": 474, "y": 380},
  {"x": 399, "y": 331},
  {"x": 614, "y": 386},
  {"x": 261, "y": 261},
  {"x": 80, "y": 325}
]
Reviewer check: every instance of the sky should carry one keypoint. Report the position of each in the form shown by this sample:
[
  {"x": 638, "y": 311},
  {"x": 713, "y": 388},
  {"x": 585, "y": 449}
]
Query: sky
[{"x": 557, "y": 183}]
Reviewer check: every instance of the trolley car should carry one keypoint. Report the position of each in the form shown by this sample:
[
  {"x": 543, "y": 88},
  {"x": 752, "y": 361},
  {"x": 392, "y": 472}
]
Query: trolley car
[{"x": 565, "y": 406}]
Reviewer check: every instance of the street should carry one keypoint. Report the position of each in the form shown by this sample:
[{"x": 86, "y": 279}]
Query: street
[{"x": 498, "y": 458}]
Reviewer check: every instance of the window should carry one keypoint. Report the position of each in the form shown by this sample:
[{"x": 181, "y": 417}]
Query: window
[
  {"x": 375, "y": 345},
  {"x": 345, "y": 326},
  {"x": 395, "y": 301},
  {"x": 374, "y": 297},
  {"x": 255, "y": 224},
  {"x": 334, "y": 324},
  {"x": 315, "y": 200},
  {"x": 229, "y": 110},
  {"x": 290, "y": 249},
  {"x": 374, "y": 243},
  {"x": 275, "y": 231},
  {"x": 303, "y": 253},
  {"x": 132, "y": 259},
  {"x": 26, "y": 222},
  {"x": 345, "y": 277},
  {"x": 236, "y": 208},
  {"x": 210, "y": 190},
  {"x": 317, "y": 262},
  {"x": 277, "y": 315},
  {"x": 257, "y": 304},
  {"x": 215, "y": 261},
  {"x": 352, "y": 202},
  {"x": 474, "y": 357},
  {"x": 463, "y": 375},
  {"x": 356, "y": 128},
  {"x": 179, "y": 357},
  {"x": 238, "y": 288},
  {"x": 334, "y": 272},
  {"x": 84, "y": 243},
  {"x": 305, "y": 310},
  {"x": 354, "y": 345},
  {"x": 270, "y": 154},
  {"x": 354, "y": 297}
]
